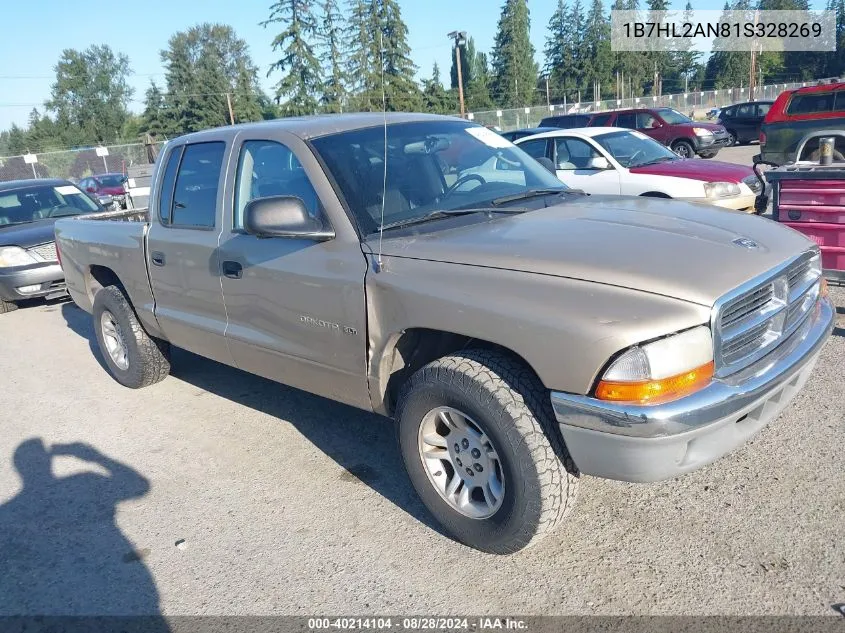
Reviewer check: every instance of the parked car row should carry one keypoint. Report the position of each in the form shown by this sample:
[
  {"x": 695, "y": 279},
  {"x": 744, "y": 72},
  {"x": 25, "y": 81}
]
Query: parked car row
[{"x": 685, "y": 137}]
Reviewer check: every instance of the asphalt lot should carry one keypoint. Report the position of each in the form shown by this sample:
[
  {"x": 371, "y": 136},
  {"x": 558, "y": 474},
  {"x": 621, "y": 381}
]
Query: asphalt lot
[{"x": 217, "y": 492}]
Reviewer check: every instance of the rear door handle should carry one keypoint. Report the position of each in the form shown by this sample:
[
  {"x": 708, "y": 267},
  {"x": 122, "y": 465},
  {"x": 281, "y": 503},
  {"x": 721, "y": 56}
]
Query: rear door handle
[
  {"x": 157, "y": 258},
  {"x": 233, "y": 270}
]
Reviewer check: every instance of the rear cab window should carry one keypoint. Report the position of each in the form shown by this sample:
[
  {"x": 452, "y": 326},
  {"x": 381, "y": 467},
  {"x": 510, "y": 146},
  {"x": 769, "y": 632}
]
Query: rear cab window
[
  {"x": 811, "y": 103},
  {"x": 190, "y": 184}
]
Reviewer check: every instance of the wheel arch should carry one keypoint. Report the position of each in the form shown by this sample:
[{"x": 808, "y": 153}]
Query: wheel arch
[{"x": 407, "y": 351}]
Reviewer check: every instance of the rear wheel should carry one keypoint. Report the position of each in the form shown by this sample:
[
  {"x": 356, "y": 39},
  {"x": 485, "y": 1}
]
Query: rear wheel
[
  {"x": 480, "y": 445},
  {"x": 731, "y": 138},
  {"x": 134, "y": 358},
  {"x": 683, "y": 149},
  {"x": 7, "y": 306}
]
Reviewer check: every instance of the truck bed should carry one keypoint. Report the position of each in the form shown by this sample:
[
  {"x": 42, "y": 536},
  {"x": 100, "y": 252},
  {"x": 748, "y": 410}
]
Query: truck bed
[{"x": 99, "y": 248}]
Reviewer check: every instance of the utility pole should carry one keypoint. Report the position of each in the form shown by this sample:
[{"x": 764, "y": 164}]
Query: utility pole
[
  {"x": 548, "y": 101},
  {"x": 460, "y": 38},
  {"x": 231, "y": 113},
  {"x": 752, "y": 78}
]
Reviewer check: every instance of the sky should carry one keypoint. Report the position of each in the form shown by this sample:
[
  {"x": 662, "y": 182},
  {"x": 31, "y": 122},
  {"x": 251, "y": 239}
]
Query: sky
[{"x": 44, "y": 28}]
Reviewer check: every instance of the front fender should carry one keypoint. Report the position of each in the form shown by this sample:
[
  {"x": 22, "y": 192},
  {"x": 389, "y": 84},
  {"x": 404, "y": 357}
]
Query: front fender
[{"x": 565, "y": 329}]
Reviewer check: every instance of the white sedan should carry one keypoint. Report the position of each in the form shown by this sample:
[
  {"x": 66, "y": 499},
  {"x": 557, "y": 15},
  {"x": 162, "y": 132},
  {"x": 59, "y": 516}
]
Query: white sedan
[{"x": 608, "y": 160}]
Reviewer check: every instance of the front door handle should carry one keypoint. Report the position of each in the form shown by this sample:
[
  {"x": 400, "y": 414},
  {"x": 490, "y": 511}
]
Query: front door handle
[
  {"x": 157, "y": 258},
  {"x": 233, "y": 270}
]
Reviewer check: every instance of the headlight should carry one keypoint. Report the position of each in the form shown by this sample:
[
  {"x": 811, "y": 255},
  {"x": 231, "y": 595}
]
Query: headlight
[
  {"x": 15, "y": 256},
  {"x": 660, "y": 371},
  {"x": 700, "y": 131},
  {"x": 721, "y": 189}
]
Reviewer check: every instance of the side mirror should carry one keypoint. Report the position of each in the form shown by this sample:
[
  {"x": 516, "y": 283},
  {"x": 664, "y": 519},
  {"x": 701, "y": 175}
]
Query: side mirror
[
  {"x": 547, "y": 163},
  {"x": 599, "y": 162},
  {"x": 283, "y": 216}
]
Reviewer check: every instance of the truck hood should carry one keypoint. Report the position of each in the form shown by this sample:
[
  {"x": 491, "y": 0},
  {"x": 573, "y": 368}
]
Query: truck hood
[
  {"x": 27, "y": 235},
  {"x": 678, "y": 249}
]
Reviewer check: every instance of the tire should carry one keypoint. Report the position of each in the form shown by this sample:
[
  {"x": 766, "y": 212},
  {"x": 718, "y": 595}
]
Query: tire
[
  {"x": 732, "y": 138},
  {"x": 7, "y": 306},
  {"x": 147, "y": 358},
  {"x": 506, "y": 401},
  {"x": 683, "y": 149}
]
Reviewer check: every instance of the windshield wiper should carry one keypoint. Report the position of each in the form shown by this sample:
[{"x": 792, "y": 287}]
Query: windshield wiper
[
  {"x": 656, "y": 160},
  {"x": 445, "y": 213},
  {"x": 530, "y": 193}
]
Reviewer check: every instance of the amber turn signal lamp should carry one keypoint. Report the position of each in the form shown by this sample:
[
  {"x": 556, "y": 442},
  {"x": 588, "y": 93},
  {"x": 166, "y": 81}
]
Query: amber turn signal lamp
[{"x": 656, "y": 391}]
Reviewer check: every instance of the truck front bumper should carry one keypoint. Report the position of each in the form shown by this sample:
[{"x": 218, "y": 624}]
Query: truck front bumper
[
  {"x": 26, "y": 282},
  {"x": 642, "y": 443}
]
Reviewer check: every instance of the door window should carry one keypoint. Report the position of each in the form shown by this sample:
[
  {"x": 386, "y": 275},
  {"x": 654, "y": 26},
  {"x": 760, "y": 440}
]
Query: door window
[
  {"x": 268, "y": 168},
  {"x": 600, "y": 120},
  {"x": 535, "y": 149},
  {"x": 197, "y": 181},
  {"x": 746, "y": 110},
  {"x": 168, "y": 181},
  {"x": 573, "y": 153},
  {"x": 626, "y": 120},
  {"x": 763, "y": 109},
  {"x": 646, "y": 121}
]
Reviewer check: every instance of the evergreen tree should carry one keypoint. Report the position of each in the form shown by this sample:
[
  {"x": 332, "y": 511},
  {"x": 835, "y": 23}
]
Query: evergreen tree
[
  {"x": 435, "y": 97},
  {"x": 364, "y": 60},
  {"x": 477, "y": 92},
  {"x": 514, "y": 69},
  {"x": 298, "y": 90},
  {"x": 402, "y": 92},
  {"x": 659, "y": 61},
  {"x": 153, "y": 120},
  {"x": 202, "y": 65},
  {"x": 598, "y": 67},
  {"x": 379, "y": 58},
  {"x": 557, "y": 50},
  {"x": 835, "y": 62},
  {"x": 727, "y": 69},
  {"x": 331, "y": 37},
  {"x": 686, "y": 58}
]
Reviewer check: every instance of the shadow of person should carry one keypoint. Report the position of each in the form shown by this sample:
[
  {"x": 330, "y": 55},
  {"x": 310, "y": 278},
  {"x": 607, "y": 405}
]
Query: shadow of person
[{"x": 61, "y": 551}]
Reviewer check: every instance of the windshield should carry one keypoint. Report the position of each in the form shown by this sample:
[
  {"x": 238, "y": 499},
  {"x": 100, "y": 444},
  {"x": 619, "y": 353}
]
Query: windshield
[
  {"x": 39, "y": 203},
  {"x": 633, "y": 149},
  {"x": 673, "y": 117},
  {"x": 111, "y": 180},
  {"x": 431, "y": 166}
]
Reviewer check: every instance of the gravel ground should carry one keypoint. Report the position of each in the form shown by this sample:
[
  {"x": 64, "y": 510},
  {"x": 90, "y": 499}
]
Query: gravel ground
[{"x": 233, "y": 495}]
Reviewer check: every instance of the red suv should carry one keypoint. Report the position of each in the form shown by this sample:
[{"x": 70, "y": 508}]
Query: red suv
[{"x": 675, "y": 130}]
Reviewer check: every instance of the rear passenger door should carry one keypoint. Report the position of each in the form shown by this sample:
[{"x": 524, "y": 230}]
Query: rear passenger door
[{"x": 182, "y": 249}]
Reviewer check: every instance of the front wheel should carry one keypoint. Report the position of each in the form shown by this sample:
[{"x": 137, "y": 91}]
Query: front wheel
[
  {"x": 683, "y": 149},
  {"x": 478, "y": 438},
  {"x": 134, "y": 358}
]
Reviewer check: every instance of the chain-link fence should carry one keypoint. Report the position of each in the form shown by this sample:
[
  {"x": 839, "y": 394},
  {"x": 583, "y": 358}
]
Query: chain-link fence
[
  {"x": 695, "y": 103},
  {"x": 76, "y": 164}
]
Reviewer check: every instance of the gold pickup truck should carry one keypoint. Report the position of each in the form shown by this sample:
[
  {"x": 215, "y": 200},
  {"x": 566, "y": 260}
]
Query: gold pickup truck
[{"x": 424, "y": 268}]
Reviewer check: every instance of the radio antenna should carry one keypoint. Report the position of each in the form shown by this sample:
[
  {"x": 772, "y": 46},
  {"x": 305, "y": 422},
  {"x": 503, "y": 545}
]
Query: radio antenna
[{"x": 384, "y": 180}]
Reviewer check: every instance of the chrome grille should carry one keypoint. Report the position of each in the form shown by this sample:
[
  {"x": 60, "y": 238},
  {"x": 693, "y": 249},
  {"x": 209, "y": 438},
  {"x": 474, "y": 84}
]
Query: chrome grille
[
  {"x": 749, "y": 323},
  {"x": 45, "y": 252}
]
